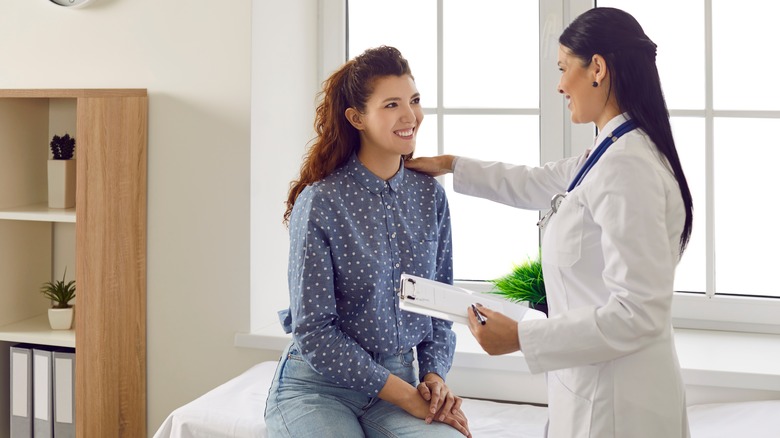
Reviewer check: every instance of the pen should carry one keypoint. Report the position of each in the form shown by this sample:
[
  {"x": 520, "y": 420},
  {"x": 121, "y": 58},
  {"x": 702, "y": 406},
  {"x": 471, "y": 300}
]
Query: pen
[{"x": 482, "y": 320}]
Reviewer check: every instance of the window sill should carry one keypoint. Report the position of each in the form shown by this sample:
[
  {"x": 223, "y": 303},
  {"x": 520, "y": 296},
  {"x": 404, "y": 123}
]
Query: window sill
[{"x": 709, "y": 358}]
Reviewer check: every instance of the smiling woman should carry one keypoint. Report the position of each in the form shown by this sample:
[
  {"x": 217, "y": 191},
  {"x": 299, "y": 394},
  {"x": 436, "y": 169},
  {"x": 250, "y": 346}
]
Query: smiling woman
[
  {"x": 388, "y": 123},
  {"x": 358, "y": 220}
]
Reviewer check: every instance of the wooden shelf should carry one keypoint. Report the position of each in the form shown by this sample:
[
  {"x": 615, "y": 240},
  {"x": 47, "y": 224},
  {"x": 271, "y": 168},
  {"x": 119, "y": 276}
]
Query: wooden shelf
[
  {"x": 109, "y": 245},
  {"x": 39, "y": 212},
  {"x": 59, "y": 93},
  {"x": 36, "y": 330}
]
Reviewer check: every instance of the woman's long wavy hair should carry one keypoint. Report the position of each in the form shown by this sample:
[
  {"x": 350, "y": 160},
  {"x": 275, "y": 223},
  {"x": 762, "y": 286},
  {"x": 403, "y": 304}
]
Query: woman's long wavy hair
[
  {"x": 630, "y": 58},
  {"x": 336, "y": 139}
]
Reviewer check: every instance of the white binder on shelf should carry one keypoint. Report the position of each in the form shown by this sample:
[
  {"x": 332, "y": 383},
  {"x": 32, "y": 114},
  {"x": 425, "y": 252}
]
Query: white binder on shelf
[
  {"x": 42, "y": 392},
  {"x": 448, "y": 302},
  {"x": 64, "y": 363},
  {"x": 21, "y": 391}
]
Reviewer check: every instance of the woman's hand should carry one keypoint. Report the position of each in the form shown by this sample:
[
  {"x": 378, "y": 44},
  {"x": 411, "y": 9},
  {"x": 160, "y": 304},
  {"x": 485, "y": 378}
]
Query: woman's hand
[
  {"x": 498, "y": 335},
  {"x": 434, "y": 166},
  {"x": 442, "y": 400},
  {"x": 405, "y": 396}
]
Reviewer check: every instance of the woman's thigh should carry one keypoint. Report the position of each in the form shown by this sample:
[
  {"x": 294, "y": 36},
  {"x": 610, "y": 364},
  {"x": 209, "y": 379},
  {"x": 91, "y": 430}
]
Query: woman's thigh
[
  {"x": 386, "y": 420},
  {"x": 301, "y": 403},
  {"x": 312, "y": 416}
]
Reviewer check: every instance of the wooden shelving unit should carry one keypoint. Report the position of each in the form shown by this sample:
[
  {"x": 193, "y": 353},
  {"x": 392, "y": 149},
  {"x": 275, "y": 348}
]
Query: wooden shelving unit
[{"x": 110, "y": 245}]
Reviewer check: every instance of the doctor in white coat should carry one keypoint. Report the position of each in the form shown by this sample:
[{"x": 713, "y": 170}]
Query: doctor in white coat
[{"x": 620, "y": 220}]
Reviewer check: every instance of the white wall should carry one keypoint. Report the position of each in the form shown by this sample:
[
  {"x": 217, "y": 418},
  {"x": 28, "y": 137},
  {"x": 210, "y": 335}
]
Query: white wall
[
  {"x": 285, "y": 83},
  {"x": 194, "y": 59}
]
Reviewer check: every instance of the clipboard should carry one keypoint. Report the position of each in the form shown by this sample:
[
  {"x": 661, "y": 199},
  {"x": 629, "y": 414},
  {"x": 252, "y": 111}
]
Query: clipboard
[{"x": 450, "y": 303}]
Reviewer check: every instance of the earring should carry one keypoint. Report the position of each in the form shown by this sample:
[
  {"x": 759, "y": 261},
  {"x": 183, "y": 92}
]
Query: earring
[{"x": 595, "y": 84}]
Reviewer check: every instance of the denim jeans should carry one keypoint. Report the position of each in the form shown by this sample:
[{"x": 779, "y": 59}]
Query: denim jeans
[{"x": 303, "y": 404}]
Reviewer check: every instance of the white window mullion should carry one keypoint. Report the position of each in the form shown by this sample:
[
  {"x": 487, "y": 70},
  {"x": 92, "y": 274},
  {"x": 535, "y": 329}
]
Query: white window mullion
[
  {"x": 709, "y": 154},
  {"x": 332, "y": 41},
  {"x": 440, "y": 76},
  {"x": 553, "y": 134}
]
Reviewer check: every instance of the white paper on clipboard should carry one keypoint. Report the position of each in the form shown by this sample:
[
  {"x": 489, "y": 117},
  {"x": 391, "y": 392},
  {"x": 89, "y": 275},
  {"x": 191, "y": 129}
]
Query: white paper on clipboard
[{"x": 444, "y": 301}]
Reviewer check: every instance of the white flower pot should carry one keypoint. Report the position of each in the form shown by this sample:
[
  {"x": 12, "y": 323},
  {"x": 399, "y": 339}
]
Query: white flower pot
[
  {"x": 62, "y": 183},
  {"x": 61, "y": 319}
]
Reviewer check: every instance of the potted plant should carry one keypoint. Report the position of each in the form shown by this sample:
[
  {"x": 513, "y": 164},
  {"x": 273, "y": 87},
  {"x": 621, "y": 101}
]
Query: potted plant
[
  {"x": 60, "y": 294},
  {"x": 62, "y": 172},
  {"x": 524, "y": 283}
]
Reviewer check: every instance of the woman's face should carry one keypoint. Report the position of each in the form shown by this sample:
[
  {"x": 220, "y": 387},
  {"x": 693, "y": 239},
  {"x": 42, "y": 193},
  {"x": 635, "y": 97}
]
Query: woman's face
[
  {"x": 585, "y": 101},
  {"x": 392, "y": 117}
]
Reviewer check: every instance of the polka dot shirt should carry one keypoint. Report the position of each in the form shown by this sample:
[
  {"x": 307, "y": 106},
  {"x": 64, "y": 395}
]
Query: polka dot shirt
[{"x": 352, "y": 234}]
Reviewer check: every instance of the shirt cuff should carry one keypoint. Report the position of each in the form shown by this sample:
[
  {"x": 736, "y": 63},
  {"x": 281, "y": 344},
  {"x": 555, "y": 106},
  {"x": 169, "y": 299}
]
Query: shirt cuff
[
  {"x": 377, "y": 381},
  {"x": 440, "y": 371}
]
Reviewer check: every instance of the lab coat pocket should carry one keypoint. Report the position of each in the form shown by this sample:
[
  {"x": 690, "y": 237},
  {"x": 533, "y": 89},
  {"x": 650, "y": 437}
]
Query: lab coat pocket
[
  {"x": 571, "y": 401},
  {"x": 563, "y": 239}
]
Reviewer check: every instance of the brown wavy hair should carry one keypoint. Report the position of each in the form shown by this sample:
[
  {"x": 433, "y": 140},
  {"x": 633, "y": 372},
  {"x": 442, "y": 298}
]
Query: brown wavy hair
[{"x": 336, "y": 139}]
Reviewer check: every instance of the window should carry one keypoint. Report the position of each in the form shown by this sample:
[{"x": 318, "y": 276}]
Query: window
[
  {"x": 723, "y": 128},
  {"x": 480, "y": 97},
  {"x": 719, "y": 88},
  {"x": 485, "y": 74}
]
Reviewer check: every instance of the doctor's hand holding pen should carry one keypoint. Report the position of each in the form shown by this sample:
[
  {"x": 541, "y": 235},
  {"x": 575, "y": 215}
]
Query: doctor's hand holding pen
[{"x": 496, "y": 332}]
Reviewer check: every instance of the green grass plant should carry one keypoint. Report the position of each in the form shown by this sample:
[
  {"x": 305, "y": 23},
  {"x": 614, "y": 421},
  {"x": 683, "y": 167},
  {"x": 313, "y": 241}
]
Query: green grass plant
[{"x": 524, "y": 283}]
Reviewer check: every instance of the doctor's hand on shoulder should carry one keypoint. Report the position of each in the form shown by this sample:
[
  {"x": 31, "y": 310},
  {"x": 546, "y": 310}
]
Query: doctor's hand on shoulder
[
  {"x": 498, "y": 335},
  {"x": 434, "y": 166}
]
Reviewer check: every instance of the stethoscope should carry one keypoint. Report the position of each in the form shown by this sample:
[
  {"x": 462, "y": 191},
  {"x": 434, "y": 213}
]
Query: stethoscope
[{"x": 556, "y": 201}]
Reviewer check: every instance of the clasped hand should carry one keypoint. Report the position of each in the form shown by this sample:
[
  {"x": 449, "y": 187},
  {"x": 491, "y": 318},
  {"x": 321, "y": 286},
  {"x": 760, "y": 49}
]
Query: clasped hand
[{"x": 444, "y": 405}]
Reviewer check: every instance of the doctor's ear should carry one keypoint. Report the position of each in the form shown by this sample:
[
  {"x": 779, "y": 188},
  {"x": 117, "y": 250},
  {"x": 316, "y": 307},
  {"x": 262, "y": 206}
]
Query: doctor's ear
[
  {"x": 598, "y": 66},
  {"x": 355, "y": 118}
]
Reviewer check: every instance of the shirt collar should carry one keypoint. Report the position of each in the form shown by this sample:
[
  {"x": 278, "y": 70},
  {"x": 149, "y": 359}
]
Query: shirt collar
[
  {"x": 370, "y": 181},
  {"x": 609, "y": 127}
]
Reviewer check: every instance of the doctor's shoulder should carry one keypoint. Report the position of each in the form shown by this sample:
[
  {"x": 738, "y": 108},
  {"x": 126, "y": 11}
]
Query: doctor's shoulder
[{"x": 639, "y": 145}]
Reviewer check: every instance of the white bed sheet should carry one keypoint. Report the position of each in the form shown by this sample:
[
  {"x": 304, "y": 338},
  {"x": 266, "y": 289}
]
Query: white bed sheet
[
  {"x": 231, "y": 410},
  {"x": 752, "y": 419},
  {"x": 235, "y": 410}
]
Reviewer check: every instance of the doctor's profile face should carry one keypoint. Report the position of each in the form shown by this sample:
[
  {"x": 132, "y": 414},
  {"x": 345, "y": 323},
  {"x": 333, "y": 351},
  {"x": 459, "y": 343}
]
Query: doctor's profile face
[{"x": 576, "y": 84}]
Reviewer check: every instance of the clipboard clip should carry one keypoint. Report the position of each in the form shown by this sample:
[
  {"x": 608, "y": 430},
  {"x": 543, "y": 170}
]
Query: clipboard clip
[{"x": 406, "y": 295}]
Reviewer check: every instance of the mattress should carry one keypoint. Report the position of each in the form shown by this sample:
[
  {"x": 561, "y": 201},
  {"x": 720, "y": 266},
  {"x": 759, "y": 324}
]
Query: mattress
[{"x": 235, "y": 410}]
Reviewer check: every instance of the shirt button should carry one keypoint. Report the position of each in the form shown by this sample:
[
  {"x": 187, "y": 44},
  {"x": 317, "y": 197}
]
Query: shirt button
[
  {"x": 388, "y": 206},
  {"x": 392, "y": 235},
  {"x": 397, "y": 265}
]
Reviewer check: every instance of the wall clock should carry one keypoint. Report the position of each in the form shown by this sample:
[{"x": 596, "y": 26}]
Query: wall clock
[{"x": 71, "y": 3}]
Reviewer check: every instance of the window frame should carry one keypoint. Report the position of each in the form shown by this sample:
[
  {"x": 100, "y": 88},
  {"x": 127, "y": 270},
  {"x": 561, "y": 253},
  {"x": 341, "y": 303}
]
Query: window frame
[{"x": 697, "y": 310}]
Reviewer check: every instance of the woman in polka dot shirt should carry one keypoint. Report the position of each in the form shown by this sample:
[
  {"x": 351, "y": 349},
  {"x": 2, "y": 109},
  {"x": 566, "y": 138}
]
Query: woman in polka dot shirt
[{"x": 357, "y": 220}]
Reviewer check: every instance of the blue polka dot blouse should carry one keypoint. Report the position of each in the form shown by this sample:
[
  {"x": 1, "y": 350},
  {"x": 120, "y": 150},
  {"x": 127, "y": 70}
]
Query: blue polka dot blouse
[{"x": 352, "y": 234}]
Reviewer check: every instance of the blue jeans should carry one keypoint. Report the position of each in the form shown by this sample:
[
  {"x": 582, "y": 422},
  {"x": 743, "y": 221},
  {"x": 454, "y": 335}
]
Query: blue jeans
[{"x": 303, "y": 404}]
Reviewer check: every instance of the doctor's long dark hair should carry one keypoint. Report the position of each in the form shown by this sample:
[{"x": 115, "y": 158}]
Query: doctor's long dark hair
[{"x": 630, "y": 58}]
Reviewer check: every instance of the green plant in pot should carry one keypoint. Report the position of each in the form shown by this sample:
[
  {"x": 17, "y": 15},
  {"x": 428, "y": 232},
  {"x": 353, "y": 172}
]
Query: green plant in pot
[
  {"x": 524, "y": 283},
  {"x": 60, "y": 294}
]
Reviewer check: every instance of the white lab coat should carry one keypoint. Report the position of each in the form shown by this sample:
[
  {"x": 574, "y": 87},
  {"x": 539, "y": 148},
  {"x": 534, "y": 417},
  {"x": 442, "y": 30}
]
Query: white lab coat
[{"x": 608, "y": 257}]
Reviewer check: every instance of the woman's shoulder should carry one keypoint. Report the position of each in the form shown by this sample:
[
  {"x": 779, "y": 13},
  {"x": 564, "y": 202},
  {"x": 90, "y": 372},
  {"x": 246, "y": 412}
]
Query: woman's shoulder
[
  {"x": 319, "y": 190},
  {"x": 422, "y": 179}
]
